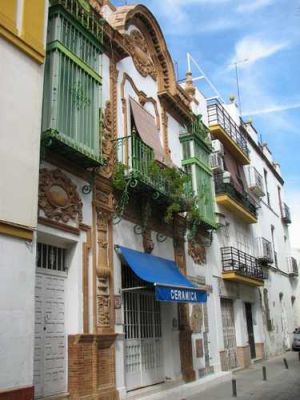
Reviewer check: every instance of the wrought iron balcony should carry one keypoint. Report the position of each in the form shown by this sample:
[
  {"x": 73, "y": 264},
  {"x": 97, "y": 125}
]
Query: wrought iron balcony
[
  {"x": 84, "y": 15},
  {"x": 138, "y": 160},
  {"x": 264, "y": 251},
  {"x": 240, "y": 199},
  {"x": 255, "y": 181},
  {"x": 292, "y": 266},
  {"x": 286, "y": 214},
  {"x": 236, "y": 264},
  {"x": 219, "y": 117}
]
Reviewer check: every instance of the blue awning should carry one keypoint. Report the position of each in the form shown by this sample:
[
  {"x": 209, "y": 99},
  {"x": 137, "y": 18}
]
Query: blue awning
[{"x": 170, "y": 284}]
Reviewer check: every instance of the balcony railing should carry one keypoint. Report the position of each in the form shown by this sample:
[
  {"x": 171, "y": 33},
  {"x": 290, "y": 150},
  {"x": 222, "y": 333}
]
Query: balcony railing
[
  {"x": 275, "y": 259},
  {"x": 292, "y": 266},
  {"x": 255, "y": 181},
  {"x": 264, "y": 251},
  {"x": 138, "y": 159},
  {"x": 241, "y": 197},
  {"x": 234, "y": 260},
  {"x": 217, "y": 115},
  {"x": 286, "y": 214}
]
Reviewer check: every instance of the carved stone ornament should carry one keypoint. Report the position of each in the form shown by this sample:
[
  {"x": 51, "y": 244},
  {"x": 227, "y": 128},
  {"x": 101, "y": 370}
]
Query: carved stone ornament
[
  {"x": 107, "y": 143},
  {"x": 58, "y": 196},
  {"x": 197, "y": 252},
  {"x": 140, "y": 54},
  {"x": 196, "y": 318}
]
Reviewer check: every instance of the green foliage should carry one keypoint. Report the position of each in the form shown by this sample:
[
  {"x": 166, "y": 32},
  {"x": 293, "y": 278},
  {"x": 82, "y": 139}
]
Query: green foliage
[
  {"x": 118, "y": 176},
  {"x": 179, "y": 192},
  {"x": 176, "y": 184}
]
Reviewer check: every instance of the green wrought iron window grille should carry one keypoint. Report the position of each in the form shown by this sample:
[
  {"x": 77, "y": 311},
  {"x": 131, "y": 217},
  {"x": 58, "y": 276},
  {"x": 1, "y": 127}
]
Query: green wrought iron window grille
[
  {"x": 72, "y": 87},
  {"x": 196, "y": 148}
]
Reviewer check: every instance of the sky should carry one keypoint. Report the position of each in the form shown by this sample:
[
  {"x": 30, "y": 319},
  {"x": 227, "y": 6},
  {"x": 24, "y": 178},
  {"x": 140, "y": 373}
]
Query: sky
[{"x": 263, "y": 36}]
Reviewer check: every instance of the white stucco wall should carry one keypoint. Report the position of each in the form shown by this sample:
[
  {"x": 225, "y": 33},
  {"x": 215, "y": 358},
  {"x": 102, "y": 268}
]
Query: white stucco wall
[
  {"x": 16, "y": 311},
  {"x": 21, "y": 81}
]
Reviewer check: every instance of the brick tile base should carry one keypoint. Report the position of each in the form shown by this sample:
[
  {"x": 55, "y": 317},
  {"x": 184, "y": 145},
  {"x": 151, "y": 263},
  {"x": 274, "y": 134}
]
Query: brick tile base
[
  {"x": 260, "y": 350},
  {"x": 92, "y": 367},
  {"x": 244, "y": 356},
  {"x": 21, "y": 393}
]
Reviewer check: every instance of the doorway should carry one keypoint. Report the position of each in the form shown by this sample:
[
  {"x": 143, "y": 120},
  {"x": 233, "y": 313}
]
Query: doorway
[
  {"x": 50, "y": 337},
  {"x": 229, "y": 334},
  {"x": 249, "y": 319},
  {"x": 143, "y": 333}
]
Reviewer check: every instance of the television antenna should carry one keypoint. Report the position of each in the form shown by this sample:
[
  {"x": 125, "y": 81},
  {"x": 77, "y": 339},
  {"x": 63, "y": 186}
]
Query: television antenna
[
  {"x": 203, "y": 76},
  {"x": 236, "y": 64}
]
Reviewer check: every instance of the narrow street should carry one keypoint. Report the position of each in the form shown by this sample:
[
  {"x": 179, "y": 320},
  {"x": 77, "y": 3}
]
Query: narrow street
[{"x": 281, "y": 384}]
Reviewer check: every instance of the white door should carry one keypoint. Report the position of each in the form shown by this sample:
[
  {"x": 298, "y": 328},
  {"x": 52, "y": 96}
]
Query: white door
[
  {"x": 50, "y": 337},
  {"x": 143, "y": 340},
  {"x": 229, "y": 334}
]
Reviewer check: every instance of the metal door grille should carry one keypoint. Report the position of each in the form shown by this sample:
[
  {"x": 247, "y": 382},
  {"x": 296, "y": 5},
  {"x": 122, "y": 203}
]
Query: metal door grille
[
  {"x": 51, "y": 257},
  {"x": 142, "y": 326},
  {"x": 229, "y": 334}
]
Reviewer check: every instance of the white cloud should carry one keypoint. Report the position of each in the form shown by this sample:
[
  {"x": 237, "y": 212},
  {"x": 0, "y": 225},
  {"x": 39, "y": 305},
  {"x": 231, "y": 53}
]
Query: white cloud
[
  {"x": 252, "y": 49},
  {"x": 272, "y": 108},
  {"x": 248, "y": 7}
]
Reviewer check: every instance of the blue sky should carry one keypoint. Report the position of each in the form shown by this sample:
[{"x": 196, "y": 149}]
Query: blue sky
[{"x": 267, "y": 34}]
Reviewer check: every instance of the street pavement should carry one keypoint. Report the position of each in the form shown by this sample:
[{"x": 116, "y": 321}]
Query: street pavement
[{"x": 281, "y": 384}]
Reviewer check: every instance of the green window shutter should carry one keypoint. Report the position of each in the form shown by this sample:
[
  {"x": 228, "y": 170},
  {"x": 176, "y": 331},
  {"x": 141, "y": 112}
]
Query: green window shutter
[
  {"x": 204, "y": 195},
  {"x": 72, "y": 90}
]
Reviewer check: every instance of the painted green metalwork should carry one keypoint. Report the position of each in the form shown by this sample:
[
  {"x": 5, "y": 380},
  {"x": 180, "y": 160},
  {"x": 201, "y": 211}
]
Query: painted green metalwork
[
  {"x": 196, "y": 147},
  {"x": 138, "y": 158},
  {"x": 82, "y": 13},
  {"x": 204, "y": 195},
  {"x": 72, "y": 90}
]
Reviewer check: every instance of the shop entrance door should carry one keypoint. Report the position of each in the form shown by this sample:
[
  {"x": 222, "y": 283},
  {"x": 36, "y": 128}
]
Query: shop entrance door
[
  {"x": 143, "y": 341},
  {"x": 229, "y": 334},
  {"x": 143, "y": 337}
]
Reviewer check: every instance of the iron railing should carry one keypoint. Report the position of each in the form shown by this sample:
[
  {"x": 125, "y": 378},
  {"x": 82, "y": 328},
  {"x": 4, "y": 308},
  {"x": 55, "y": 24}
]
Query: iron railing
[
  {"x": 275, "y": 259},
  {"x": 237, "y": 261},
  {"x": 217, "y": 115},
  {"x": 255, "y": 181},
  {"x": 241, "y": 197},
  {"x": 84, "y": 15},
  {"x": 286, "y": 214},
  {"x": 292, "y": 266},
  {"x": 264, "y": 250},
  {"x": 138, "y": 159}
]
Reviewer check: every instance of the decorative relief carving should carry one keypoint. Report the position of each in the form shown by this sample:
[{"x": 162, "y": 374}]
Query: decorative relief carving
[
  {"x": 58, "y": 196},
  {"x": 107, "y": 141},
  {"x": 147, "y": 241},
  {"x": 197, "y": 318},
  {"x": 140, "y": 54},
  {"x": 197, "y": 252},
  {"x": 165, "y": 121},
  {"x": 103, "y": 271},
  {"x": 103, "y": 314}
]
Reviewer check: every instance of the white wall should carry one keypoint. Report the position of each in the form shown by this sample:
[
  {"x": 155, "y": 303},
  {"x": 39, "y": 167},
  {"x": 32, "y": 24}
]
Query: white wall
[
  {"x": 21, "y": 81},
  {"x": 17, "y": 266}
]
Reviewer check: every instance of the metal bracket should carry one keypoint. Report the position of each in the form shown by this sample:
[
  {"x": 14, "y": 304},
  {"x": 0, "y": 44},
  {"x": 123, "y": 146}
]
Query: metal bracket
[{"x": 86, "y": 189}]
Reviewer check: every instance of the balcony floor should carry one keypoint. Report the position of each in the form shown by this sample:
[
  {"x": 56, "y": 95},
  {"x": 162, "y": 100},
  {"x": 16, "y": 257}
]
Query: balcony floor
[
  {"x": 239, "y": 278},
  {"x": 220, "y": 133},
  {"x": 236, "y": 208}
]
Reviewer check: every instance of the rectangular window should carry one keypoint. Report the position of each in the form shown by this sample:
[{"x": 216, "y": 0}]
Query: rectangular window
[
  {"x": 266, "y": 186},
  {"x": 201, "y": 154},
  {"x": 51, "y": 257},
  {"x": 72, "y": 87}
]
